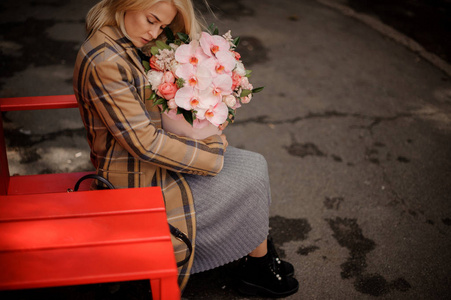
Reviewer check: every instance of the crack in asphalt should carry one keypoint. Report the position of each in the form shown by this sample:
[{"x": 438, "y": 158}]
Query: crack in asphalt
[
  {"x": 406, "y": 209},
  {"x": 376, "y": 120}
]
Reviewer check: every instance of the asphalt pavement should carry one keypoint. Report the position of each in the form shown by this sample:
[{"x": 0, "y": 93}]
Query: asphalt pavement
[{"x": 354, "y": 121}]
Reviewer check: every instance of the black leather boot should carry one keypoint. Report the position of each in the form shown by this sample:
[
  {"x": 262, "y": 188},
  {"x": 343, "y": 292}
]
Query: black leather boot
[
  {"x": 260, "y": 276},
  {"x": 284, "y": 267}
]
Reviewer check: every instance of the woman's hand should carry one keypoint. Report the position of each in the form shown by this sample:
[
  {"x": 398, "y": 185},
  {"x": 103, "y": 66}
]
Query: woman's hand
[
  {"x": 223, "y": 125},
  {"x": 224, "y": 141}
]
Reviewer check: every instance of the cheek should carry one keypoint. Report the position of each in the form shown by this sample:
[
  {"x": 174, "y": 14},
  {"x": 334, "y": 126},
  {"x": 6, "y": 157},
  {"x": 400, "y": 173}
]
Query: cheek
[
  {"x": 133, "y": 25},
  {"x": 129, "y": 24}
]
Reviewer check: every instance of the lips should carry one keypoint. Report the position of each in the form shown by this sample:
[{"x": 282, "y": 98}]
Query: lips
[{"x": 145, "y": 41}]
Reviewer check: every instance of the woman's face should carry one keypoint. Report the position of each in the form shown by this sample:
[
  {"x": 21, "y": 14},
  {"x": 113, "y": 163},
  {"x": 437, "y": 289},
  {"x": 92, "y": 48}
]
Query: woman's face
[{"x": 144, "y": 26}]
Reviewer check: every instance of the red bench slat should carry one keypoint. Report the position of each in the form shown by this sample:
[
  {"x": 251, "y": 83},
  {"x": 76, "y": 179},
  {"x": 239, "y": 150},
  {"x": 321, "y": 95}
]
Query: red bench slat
[
  {"x": 58, "y": 239},
  {"x": 38, "y": 102}
]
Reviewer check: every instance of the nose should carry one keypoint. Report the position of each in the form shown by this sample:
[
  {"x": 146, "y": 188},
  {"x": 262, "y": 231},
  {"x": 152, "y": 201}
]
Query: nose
[{"x": 155, "y": 32}]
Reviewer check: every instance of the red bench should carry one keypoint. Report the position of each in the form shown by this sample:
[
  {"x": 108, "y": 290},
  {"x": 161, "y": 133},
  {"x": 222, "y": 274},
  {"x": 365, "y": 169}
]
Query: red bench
[{"x": 49, "y": 237}]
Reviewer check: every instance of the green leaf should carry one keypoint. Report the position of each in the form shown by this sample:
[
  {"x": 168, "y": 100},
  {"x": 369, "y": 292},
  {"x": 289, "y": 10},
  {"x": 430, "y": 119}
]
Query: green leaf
[
  {"x": 153, "y": 97},
  {"x": 188, "y": 115},
  {"x": 146, "y": 65},
  {"x": 169, "y": 35},
  {"x": 248, "y": 73},
  {"x": 236, "y": 41},
  {"x": 154, "y": 50},
  {"x": 162, "y": 45},
  {"x": 159, "y": 101},
  {"x": 216, "y": 31},
  {"x": 245, "y": 93},
  {"x": 184, "y": 37},
  {"x": 231, "y": 115},
  {"x": 211, "y": 28},
  {"x": 257, "y": 90},
  {"x": 165, "y": 106}
]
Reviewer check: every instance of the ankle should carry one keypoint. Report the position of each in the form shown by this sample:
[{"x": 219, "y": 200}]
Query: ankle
[{"x": 258, "y": 259}]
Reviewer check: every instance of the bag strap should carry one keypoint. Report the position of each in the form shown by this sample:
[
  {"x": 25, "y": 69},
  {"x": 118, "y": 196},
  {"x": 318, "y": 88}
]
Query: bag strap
[
  {"x": 177, "y": 233},
  {"x": 93, "y": 176}
]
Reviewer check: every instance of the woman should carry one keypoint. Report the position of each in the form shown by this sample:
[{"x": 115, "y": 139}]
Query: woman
[{"x": 225, "y": 192}]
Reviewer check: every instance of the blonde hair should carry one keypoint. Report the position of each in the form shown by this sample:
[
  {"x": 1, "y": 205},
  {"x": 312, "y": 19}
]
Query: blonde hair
[{"x": 111, "y": 13}]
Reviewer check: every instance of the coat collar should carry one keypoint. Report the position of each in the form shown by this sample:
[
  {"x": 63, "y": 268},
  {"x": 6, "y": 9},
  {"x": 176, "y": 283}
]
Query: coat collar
[{"x": 116, "y": 34}]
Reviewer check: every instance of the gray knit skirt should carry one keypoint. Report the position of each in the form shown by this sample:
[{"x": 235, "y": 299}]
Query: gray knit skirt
[{"x": 232, "y": 209}]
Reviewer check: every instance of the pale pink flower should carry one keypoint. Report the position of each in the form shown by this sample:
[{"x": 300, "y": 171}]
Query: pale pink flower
[
  {"x": 190, "y": 98},
  {"x": 240, "y": 69},
  {"x": 246, "y": 99},
  {"x": 173, "y": 66},
  {"x": 169, "y": 77},
  {"x": 216, "y": 114},
  {"x": 228, "y": 37},
  {"x": 229, "y": 100},
  {"x": 155, "y": 78},
  {"x": 213, "y": 44},
  {"x": 221, "y": 85},
  {"x": 191, "y": 53},
  {"x": 224, "y": 63},
  {"x": 199, "y": 77},
  {"x": 245, "y": 84},
  {"x": 172, "y": 104},
  {"x": 164, "y": 58}
]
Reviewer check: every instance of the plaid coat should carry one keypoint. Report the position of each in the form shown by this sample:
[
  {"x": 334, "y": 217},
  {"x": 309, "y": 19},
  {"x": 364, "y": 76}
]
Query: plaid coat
[{"x": 128, "y": 146}]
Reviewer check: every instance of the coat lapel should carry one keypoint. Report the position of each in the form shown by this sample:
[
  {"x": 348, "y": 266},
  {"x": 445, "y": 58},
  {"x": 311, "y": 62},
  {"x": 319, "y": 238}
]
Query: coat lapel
[{"x": 133, "y": 54}]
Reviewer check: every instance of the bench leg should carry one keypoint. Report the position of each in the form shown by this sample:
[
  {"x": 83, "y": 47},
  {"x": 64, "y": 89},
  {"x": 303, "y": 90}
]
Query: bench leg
[
  {"x": 155, "y": 289},
  {"x": 165, "y": 289}
]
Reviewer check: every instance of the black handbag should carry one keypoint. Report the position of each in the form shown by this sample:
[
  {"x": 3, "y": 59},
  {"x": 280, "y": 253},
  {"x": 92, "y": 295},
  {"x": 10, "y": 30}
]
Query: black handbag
[{"x": 174, "y": 231}]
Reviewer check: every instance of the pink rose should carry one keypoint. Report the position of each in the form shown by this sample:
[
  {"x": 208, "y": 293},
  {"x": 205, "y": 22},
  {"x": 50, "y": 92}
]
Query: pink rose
[
  {"x": 246, "y": 99},
  {"x": 172, "y": 104},
  {"x": 237, "y": 55},
  {"x": 245, "y": 84},
  {"x": 167, "y": 90},
  {"x": 168, "y": 77},
  {"x": 236, "y": 80},
  {"x": 153, "y": 63},
  {"x": 229, "y": 100}
]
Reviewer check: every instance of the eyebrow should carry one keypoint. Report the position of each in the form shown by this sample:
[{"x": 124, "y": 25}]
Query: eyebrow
[{"x": 158, "y": 19}]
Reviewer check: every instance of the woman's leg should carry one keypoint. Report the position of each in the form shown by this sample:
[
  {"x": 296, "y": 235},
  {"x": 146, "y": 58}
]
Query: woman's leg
[
  {"x": 232, "y": 210},
  {"x": 261, "y": 250}
]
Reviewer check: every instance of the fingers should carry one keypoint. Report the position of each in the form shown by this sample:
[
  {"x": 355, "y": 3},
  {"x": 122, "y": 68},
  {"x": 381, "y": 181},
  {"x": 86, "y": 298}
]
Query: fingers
[
  {"x": 224, "y": 141},
  {"x": 223, "y": 125}
]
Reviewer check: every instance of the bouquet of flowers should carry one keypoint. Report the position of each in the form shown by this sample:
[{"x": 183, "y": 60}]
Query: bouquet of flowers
[{"x": 202, "y": 80}]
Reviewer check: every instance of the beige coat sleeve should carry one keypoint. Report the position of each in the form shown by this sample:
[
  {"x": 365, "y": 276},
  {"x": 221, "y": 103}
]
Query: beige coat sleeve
[{"x": 113, "y": 94}]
